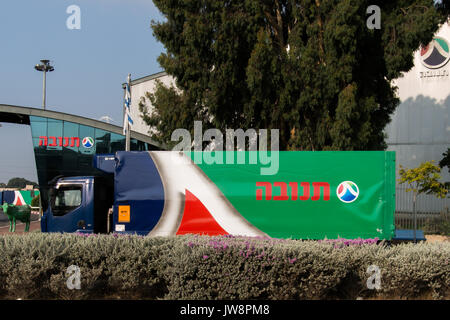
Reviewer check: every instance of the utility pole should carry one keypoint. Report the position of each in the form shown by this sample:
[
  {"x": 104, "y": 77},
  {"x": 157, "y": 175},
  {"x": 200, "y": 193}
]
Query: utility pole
[{"x": 44, "y": 67}]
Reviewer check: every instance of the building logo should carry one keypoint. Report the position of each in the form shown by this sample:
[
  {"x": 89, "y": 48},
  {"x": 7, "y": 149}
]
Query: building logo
[
  {"x": 88, "y": 142},
  {"x": 347, "y": 191},
  {"x": 436, "y": 54}
]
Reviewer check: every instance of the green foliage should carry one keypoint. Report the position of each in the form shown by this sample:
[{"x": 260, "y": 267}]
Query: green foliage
[
  {"x": 445, "y": 162},
  {"x": 311, "y": 69},
  {"x": 201, "y": 267},
  {"x": 168, "y": 113},
  {"x": 423, "y": 179},
  {"x": 444, "y": 7},
  {"x": 35, "y": 201}
]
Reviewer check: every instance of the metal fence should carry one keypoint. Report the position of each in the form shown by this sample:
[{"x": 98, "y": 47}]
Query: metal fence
[{"x": 433, "y": 214}]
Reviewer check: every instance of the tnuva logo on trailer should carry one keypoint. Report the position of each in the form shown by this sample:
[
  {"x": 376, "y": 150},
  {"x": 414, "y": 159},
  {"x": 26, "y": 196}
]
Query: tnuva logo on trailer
[
  {"x": 347, "y": 191},
  {"x": 88, "y": 142}
]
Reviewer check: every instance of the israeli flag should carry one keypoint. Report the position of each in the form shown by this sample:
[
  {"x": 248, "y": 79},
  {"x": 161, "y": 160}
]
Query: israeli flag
[{"x": 127, "y": 103}]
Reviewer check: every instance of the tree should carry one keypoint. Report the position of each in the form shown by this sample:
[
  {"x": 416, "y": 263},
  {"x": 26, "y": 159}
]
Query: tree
[
  {"x": 423, "y": 179},
  {"x": 443, "y": 7},
  {"x": 20, "y": 183},
  {"x": 445, "y": 162},
  {"x": 35, "y": 202},
  {"x": 311, "y": 69}
]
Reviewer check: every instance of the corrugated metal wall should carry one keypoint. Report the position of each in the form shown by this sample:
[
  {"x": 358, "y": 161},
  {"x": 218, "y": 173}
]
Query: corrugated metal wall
[
  {"x": 426, "y": 204},
  {"x": 432, "y": 214}
]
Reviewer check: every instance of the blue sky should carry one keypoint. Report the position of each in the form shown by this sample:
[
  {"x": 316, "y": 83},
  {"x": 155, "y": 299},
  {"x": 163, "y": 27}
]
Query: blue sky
[{"x": 90, "y": 64}]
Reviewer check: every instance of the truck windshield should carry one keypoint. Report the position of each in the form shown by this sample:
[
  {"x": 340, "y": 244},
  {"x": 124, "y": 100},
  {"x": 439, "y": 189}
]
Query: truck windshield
[{"x": 65, "y": 199}]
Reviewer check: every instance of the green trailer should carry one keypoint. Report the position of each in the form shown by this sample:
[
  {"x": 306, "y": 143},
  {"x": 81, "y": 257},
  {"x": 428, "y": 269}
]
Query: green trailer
[
  {"x": 314, "y": 195},
  {"x": 301, "y": 195}
]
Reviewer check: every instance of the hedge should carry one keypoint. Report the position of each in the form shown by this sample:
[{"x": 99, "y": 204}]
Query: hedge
[{"x": 34, "y": 266}]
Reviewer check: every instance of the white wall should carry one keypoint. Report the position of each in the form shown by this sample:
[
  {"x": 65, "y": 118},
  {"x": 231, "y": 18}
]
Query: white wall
[
  {"x": 420, "y": 128},
  {"x": 138, "y": 90}
]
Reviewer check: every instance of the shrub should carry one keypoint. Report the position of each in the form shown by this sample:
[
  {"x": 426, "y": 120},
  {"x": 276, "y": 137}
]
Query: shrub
[
  {"x": 34, "y": 266},
  {"x": 35, "y": 202}
]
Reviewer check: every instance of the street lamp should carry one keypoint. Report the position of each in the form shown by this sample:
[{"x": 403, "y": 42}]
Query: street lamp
[{"x": 44, "y": 67}]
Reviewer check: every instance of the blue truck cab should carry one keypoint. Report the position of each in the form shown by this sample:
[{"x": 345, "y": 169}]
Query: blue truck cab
[
  {"x": 80, "y": 204},
  {"x": 126, "y": 197}
]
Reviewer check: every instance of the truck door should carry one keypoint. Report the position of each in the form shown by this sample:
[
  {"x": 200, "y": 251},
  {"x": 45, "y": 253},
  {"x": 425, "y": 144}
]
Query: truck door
[{"x": 69, "y": 209}]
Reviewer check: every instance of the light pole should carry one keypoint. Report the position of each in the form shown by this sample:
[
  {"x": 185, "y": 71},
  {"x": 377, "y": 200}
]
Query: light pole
[{"x": 44, "y": 67}]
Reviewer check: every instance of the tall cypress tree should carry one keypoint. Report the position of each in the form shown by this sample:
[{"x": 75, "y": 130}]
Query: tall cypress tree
[{"x": 311, "y": 68}]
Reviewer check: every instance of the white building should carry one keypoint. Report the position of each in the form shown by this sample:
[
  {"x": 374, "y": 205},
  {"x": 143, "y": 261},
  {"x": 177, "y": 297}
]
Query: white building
[
  {"x": 420, "y": 127},
  {"x": 138, "y": 89}
]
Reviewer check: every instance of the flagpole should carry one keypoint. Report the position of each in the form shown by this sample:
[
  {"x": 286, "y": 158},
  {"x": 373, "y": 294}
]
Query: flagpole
[
  {"x": 125, "y": 129},
  {"x": 127, "y": 137}
]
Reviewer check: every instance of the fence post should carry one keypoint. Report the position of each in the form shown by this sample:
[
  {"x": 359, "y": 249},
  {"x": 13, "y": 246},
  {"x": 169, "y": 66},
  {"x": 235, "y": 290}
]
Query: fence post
[{"x": 415, "y": 216}]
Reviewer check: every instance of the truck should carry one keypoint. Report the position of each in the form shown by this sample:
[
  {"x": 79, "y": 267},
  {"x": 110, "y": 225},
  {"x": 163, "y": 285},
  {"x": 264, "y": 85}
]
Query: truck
[{"x": 304, "y": 195}]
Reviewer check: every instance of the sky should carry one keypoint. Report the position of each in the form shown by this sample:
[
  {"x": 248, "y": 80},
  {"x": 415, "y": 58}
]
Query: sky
[{"x": 91, "y": 63}]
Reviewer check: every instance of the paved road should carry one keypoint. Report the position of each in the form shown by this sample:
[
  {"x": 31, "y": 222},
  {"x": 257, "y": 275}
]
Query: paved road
[{"x": 20, "y": 226}]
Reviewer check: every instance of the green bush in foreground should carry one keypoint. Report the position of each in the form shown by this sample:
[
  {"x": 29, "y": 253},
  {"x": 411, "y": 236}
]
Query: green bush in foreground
[{"x": 200, "y": 267}]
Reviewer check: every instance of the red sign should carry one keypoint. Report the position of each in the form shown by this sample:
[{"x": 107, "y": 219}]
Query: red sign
[{"x": 58, "y": 141}]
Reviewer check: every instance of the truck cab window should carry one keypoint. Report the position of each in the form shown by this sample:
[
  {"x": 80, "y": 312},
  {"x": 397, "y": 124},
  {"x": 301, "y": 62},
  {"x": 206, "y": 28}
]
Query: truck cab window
[{"x": 65, "y": 199}]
